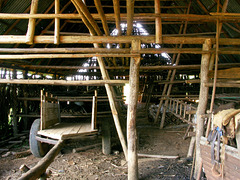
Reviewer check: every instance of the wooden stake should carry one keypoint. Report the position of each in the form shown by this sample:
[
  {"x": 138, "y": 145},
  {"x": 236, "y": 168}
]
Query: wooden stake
[
  {"x": 203, "y": 96},
  {"x": 158, "y": 22},
  {"x": 31, "y": 23},
  {"x": 57, "y": 23},
  {"x": 131, "y": 115}
]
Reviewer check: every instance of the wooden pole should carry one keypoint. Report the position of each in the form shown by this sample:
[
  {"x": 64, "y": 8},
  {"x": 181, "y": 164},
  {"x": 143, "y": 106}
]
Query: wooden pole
[
  {"x": 102, "y": 16},
  {"x": 168, "y": 77},
  {"x": 203, "y": 96},
  {"x": 113, "y": 107},
  {"x": 57, "y": 23},
  {"x": 43, "y": 164},
  {"x": 106, "y": 136},
  {"x": 14, "y": 110},
  {"x": 131, "y": 114},
  {"x": 20, "y": 39},
  {"x": 47, "y": 56},
  {"x": 96, "y": 31},
  {"x": 31, "y": 23},
  {"x": 64, "y": 82},
  {"x": 158, "y": 22},
  {"x": 173, "y": 72}
]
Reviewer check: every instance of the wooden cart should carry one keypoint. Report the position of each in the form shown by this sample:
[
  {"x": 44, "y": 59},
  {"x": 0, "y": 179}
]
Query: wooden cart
[{"x": 49, "y": 129}]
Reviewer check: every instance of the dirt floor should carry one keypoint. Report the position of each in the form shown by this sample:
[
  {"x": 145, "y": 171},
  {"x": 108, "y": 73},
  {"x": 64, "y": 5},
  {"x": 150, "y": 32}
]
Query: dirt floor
[{"x": 91, "y": 164}]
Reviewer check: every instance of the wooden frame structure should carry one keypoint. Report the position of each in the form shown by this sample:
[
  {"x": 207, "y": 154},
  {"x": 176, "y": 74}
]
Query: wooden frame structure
[{"x": 22, "y": 58}]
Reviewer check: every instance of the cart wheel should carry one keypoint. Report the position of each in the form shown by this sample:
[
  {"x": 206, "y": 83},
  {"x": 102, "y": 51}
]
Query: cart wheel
[{"x": 37, "y": 148}]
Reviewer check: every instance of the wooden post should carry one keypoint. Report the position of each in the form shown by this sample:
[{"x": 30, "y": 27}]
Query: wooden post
[
  {"x": 94, "y": 111},
  {"x": 131, "y": 114},
  {"x": 57, "y": 23},
  {"x": 31, "y": 23},
  {"x": 203, "y": 96},
  {"x": 14, "y": 107},
  {"x": 110, "y": 94},
  {"x": 158, "y": 22},
  {"x": 106, "y": 136}
]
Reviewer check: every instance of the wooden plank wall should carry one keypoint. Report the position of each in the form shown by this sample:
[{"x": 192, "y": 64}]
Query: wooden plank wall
[{"x": 50, "y": 111}]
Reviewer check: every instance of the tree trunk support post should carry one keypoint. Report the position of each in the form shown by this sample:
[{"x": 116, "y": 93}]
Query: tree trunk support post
[
  {"x": 131, "y": 114},
  {"x": 203, "y": 96}
]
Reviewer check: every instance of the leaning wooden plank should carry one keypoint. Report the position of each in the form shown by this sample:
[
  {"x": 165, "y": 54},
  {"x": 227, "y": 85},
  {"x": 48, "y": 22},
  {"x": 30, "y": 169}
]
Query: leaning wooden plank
[
  {"x": 157, "y": 156},
  {"x": 43, "y": 164}
]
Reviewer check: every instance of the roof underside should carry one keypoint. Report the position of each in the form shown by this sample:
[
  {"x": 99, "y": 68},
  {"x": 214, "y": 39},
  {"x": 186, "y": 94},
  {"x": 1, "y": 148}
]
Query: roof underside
[{"x": 76, "y": 27}]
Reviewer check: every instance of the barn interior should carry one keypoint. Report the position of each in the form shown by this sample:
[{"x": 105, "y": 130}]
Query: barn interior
[{"x": 108, "y": 62}]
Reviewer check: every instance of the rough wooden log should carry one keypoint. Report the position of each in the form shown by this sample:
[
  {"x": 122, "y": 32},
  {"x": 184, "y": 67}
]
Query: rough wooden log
[
  {"x": 31, "y": 23},
  {"x": 203, "y": 96},
  {"x": 65, "y": 82},
  {"x": 230, "y": 17},
  {"x": 46, "y": 56},
  {"x": 157, "y": 156},
  {"x": 20, "y": 39},
  {"x": 158, "y": 22},
  {"x": 131, "y": 115},
  {"x": 43, "y": 164},
  {"x": 57, "y": 23}
]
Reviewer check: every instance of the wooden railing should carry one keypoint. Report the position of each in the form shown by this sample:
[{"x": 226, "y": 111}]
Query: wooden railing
[{"x": 182, "y": 110}]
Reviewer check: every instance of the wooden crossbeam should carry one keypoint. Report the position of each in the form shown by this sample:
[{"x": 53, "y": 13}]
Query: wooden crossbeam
[
  {"x": 20, "y": 39},
  {"x": 63, "y": 82}
]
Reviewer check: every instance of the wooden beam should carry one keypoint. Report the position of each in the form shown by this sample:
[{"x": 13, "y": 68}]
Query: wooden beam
[
  {"x": 31, "y": 23},
  {"x": 117, "y": 16},
  {"x": 230, "y": 17},
  {"x": 64, "y": 82},
  {"x": 47, "y": 56},
  {"x": 131, "y": 114},
  {"x": 224, "y": 65},
  {"x": 130, "y": 14},
  {"x": 158, "y": 22},
  {"x": 110, "y": 94},
  {"x": 19, "y": 39},
  {"x": 43, "y": 164},
  {"x": 232, "y": 73},
  {"x": 223, "y": 50},
  {"x": 98, "y": 5},
  {"x": 89, "y": 17},
  {"x": 57, "y": 23},
  {"x": 171, "y": 74},
  {"x": 203, "y": 96}
]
